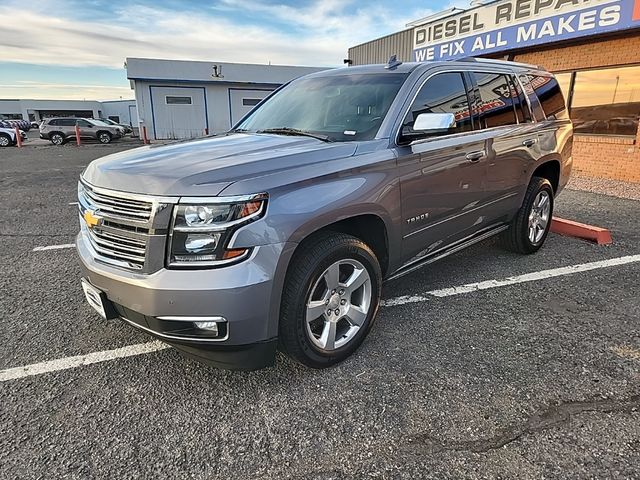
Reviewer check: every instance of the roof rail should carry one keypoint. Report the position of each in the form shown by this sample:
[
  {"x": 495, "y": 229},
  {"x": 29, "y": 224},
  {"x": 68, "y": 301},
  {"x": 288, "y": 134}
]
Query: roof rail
[{"x": 491, "y": 60}]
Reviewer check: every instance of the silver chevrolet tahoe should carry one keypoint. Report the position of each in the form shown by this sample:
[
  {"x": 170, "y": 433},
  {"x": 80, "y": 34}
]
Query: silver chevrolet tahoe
[{"x": 279, "y": 233}]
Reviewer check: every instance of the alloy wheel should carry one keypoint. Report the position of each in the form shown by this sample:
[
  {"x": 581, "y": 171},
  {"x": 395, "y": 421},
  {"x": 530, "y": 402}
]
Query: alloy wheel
[
  {"x": 539, "y": 216},
  {"x": 4, "y": 141},
  {"x": 338, "y": 305}
]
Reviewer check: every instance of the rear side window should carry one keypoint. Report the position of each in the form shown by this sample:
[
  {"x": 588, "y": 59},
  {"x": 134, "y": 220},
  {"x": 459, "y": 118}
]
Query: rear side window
[
  {"x": 67, "y": 122},
  {"x": 522, "y": 108},
  {"x": 496, "y": 103},
  {"x": 443, "y": 93},
  {"x": 549, "y": 94}
]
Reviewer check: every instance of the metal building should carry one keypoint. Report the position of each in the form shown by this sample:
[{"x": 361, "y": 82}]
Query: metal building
[{"x": 185, "y": 99}]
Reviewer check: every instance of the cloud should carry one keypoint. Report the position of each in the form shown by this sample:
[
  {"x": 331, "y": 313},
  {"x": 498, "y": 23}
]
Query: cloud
[
  {"x": 318, "y": 33},
  {"x": 42, "y": 91}
]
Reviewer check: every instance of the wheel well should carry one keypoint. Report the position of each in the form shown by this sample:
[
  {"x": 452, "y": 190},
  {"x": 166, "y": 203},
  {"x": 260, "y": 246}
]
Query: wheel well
[
  {"x": 103, "y": 131},
  {"x": 551, "y": 171},
  {"x": 51, "y": 134},
  {"x": 368, "y": 228}
]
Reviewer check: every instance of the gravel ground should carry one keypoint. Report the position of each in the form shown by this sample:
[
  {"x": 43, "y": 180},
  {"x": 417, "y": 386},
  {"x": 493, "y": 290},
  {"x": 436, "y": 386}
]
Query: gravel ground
[
  {"x": 532, "y": 381},
  {"x": 605, "y": 186}
]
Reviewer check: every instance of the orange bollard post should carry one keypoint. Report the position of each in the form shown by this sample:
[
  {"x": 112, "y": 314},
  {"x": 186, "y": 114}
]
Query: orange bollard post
[
  {"x": 145, "y": 139},
  {"x": 18, "y": 138},
  {"x": 77, "y": 135}
]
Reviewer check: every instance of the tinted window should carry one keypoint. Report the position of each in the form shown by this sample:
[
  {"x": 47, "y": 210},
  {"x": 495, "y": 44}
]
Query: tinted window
[
  {"x": 342, "y": 107},
  {"x": 443, "y": 93},
  {"x": 550, "y": 96},
  {"x": 538, "y": 113},
  {"x": 67, "y": 122},
  {"x": 495, "y": 107},
  {"x": 54, "y": 122},
  {"x": 520, "y": 101}
]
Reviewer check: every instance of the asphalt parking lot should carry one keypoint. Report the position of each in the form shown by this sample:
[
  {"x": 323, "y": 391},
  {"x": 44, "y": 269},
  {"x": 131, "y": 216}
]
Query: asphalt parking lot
[{"x": 533, "y": 377}]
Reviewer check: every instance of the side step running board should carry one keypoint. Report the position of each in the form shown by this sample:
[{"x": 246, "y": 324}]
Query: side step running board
[{"x": 434, "y": 257}]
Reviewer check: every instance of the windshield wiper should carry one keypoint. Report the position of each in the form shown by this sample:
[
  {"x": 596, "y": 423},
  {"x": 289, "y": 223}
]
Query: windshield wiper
[{"x": 295, "y": 131}]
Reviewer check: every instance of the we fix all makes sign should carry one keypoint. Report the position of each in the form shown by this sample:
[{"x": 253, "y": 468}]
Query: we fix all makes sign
[{"x": 511, "y": 24}]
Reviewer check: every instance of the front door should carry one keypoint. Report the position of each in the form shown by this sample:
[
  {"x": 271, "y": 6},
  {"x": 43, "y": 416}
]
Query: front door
[{"x": 442, "y": 178}]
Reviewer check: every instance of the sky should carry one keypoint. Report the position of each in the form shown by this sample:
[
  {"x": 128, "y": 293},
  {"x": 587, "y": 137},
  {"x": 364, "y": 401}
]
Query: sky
[{"x": 76, "y": 49}]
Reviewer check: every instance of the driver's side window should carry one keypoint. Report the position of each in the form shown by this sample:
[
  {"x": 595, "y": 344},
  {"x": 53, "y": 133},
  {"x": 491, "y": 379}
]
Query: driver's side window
[{"x": 443, "y": 93}]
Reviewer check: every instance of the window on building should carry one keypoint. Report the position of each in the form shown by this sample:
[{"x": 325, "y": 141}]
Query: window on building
[
  {"x": 443, "y": 93},
  {"x": 606, "y": 101},
  {"x": 496, "y": 101},
  {"x": 174, "y": 100},
  {"x": 114, "y": 118},
  {"x": 251, "y": 102}
]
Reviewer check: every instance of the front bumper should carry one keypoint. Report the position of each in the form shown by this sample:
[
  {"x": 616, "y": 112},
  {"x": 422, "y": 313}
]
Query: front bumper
[{"x": 244, "y": 294}]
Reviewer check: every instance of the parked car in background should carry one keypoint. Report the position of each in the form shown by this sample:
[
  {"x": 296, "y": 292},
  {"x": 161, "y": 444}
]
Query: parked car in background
[
  {"x": 21, "y": 124},
  {"x": 279, "y": 233},
  {"x": 8, "y": 136},
  {"x": 126, "y": 128},
  {"x": 35, "y": 125},
  {"x": 59, "y": 130}
]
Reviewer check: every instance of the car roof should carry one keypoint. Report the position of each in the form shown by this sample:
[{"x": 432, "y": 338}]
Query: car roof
[{"x": 409, "y": 67}]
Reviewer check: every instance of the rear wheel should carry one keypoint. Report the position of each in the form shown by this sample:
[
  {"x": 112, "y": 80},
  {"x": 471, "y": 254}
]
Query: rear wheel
[
  {"x": 530, "y": 227},
  {"x": 104, "y": 137},
  {"x": 330, "y": 299},
  {"x": 5, "y": 140},
  {"x": 56, "y": 138}
]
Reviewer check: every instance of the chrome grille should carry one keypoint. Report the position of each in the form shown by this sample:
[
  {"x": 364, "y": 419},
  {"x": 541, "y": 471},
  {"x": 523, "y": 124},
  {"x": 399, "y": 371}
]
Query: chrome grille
[
  {"x": 124, "y": 226},
  {"x": 118, "y": 248},
  {"x": 136, "y": 210}
]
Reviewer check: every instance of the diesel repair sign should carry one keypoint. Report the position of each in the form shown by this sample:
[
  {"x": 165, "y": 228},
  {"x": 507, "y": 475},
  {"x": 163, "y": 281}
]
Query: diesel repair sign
[{"x": 510, "y": 24}]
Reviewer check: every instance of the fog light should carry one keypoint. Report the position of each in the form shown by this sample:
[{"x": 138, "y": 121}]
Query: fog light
[{"x": 208, "y": 326}]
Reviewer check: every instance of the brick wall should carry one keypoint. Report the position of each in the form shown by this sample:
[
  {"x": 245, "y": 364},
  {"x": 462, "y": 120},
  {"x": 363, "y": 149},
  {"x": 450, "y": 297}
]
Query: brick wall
[{"x": 597, "y": 156}]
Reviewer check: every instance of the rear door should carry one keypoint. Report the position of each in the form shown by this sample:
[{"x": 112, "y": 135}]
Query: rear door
[
  {"x": 511, "y": 142},
  {"x": 441, "y": 177}
]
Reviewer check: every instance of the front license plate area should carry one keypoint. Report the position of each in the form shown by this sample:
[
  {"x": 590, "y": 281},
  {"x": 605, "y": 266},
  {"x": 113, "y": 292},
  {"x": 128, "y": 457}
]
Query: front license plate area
[{"x": 97, "y": 299}]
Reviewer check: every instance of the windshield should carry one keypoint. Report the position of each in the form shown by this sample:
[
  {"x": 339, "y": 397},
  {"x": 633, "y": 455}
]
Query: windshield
[{"x": 340, "y": 108}]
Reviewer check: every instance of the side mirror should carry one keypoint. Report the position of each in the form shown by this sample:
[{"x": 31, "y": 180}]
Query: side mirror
[{"x": 427, "y": 125}]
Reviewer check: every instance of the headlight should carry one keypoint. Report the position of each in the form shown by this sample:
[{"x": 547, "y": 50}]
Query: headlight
[{"x": 200, "y": 232}]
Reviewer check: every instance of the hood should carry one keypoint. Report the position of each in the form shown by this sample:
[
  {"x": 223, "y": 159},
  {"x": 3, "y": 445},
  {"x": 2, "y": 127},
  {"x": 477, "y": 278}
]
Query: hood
[{"x": 207, "y": 166}]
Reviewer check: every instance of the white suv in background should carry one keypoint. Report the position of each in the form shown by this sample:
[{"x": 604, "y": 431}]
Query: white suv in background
[{"x": 8, "y": 137}]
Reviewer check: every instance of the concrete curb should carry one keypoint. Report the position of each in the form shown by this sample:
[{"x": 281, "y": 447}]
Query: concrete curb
[{"x": 599, "y": 235}]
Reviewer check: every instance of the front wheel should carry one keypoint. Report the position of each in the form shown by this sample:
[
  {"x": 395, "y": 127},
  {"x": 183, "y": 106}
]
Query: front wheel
[
  {"x": 57, "y": 138},
  {"x": 330, "y": 299},
  {"x": 5, "y": 140},
  {"x": 104, "y": 137},
  {"x": 530, "y": 227}
]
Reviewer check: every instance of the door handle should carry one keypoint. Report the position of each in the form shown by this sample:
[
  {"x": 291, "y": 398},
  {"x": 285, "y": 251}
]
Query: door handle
[
  {"x": 475, "y": 156},
  {"x": 530, "y": 142}
]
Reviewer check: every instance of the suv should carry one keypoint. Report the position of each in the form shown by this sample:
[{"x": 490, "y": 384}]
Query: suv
[
  {"x": 8, "y": 136},
  {"x": 280, "y": 233},
  {"x": 59, "y": 130}
]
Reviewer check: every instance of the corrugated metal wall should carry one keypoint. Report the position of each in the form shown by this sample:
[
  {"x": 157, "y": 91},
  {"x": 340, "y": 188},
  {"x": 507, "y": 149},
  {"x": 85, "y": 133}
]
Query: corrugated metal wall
[{"x": 379, "y": 50}]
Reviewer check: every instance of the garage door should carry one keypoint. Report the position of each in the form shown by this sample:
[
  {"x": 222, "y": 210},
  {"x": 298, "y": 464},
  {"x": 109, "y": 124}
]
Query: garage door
[
  {"x": 242, "y": 102},
  {"x": 178, "y": 112}
]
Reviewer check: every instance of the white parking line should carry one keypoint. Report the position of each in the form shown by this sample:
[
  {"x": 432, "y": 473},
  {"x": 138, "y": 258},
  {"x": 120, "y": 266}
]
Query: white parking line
[
  {"x": 142, "y": 348},
  {"x": 73, "y": 203},
  {"x": 527, "y": 277},
  {"x": 54, "y": 247},
  {"x": 80, "y": 360}
]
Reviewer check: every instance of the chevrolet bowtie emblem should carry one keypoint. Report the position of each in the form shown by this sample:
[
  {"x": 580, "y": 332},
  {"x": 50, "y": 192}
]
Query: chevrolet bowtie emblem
[{"x": 91, "y": 219}]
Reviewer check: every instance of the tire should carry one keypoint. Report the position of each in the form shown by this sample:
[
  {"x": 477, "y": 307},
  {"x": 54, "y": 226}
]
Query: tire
[
  {"x": 5, "y": 140},
  {"x": 104, "y": 137},
  {"x": 306, "y": 285},
  {"x": 57, "y": 138},
  {"x": 534, "y": 215}
]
